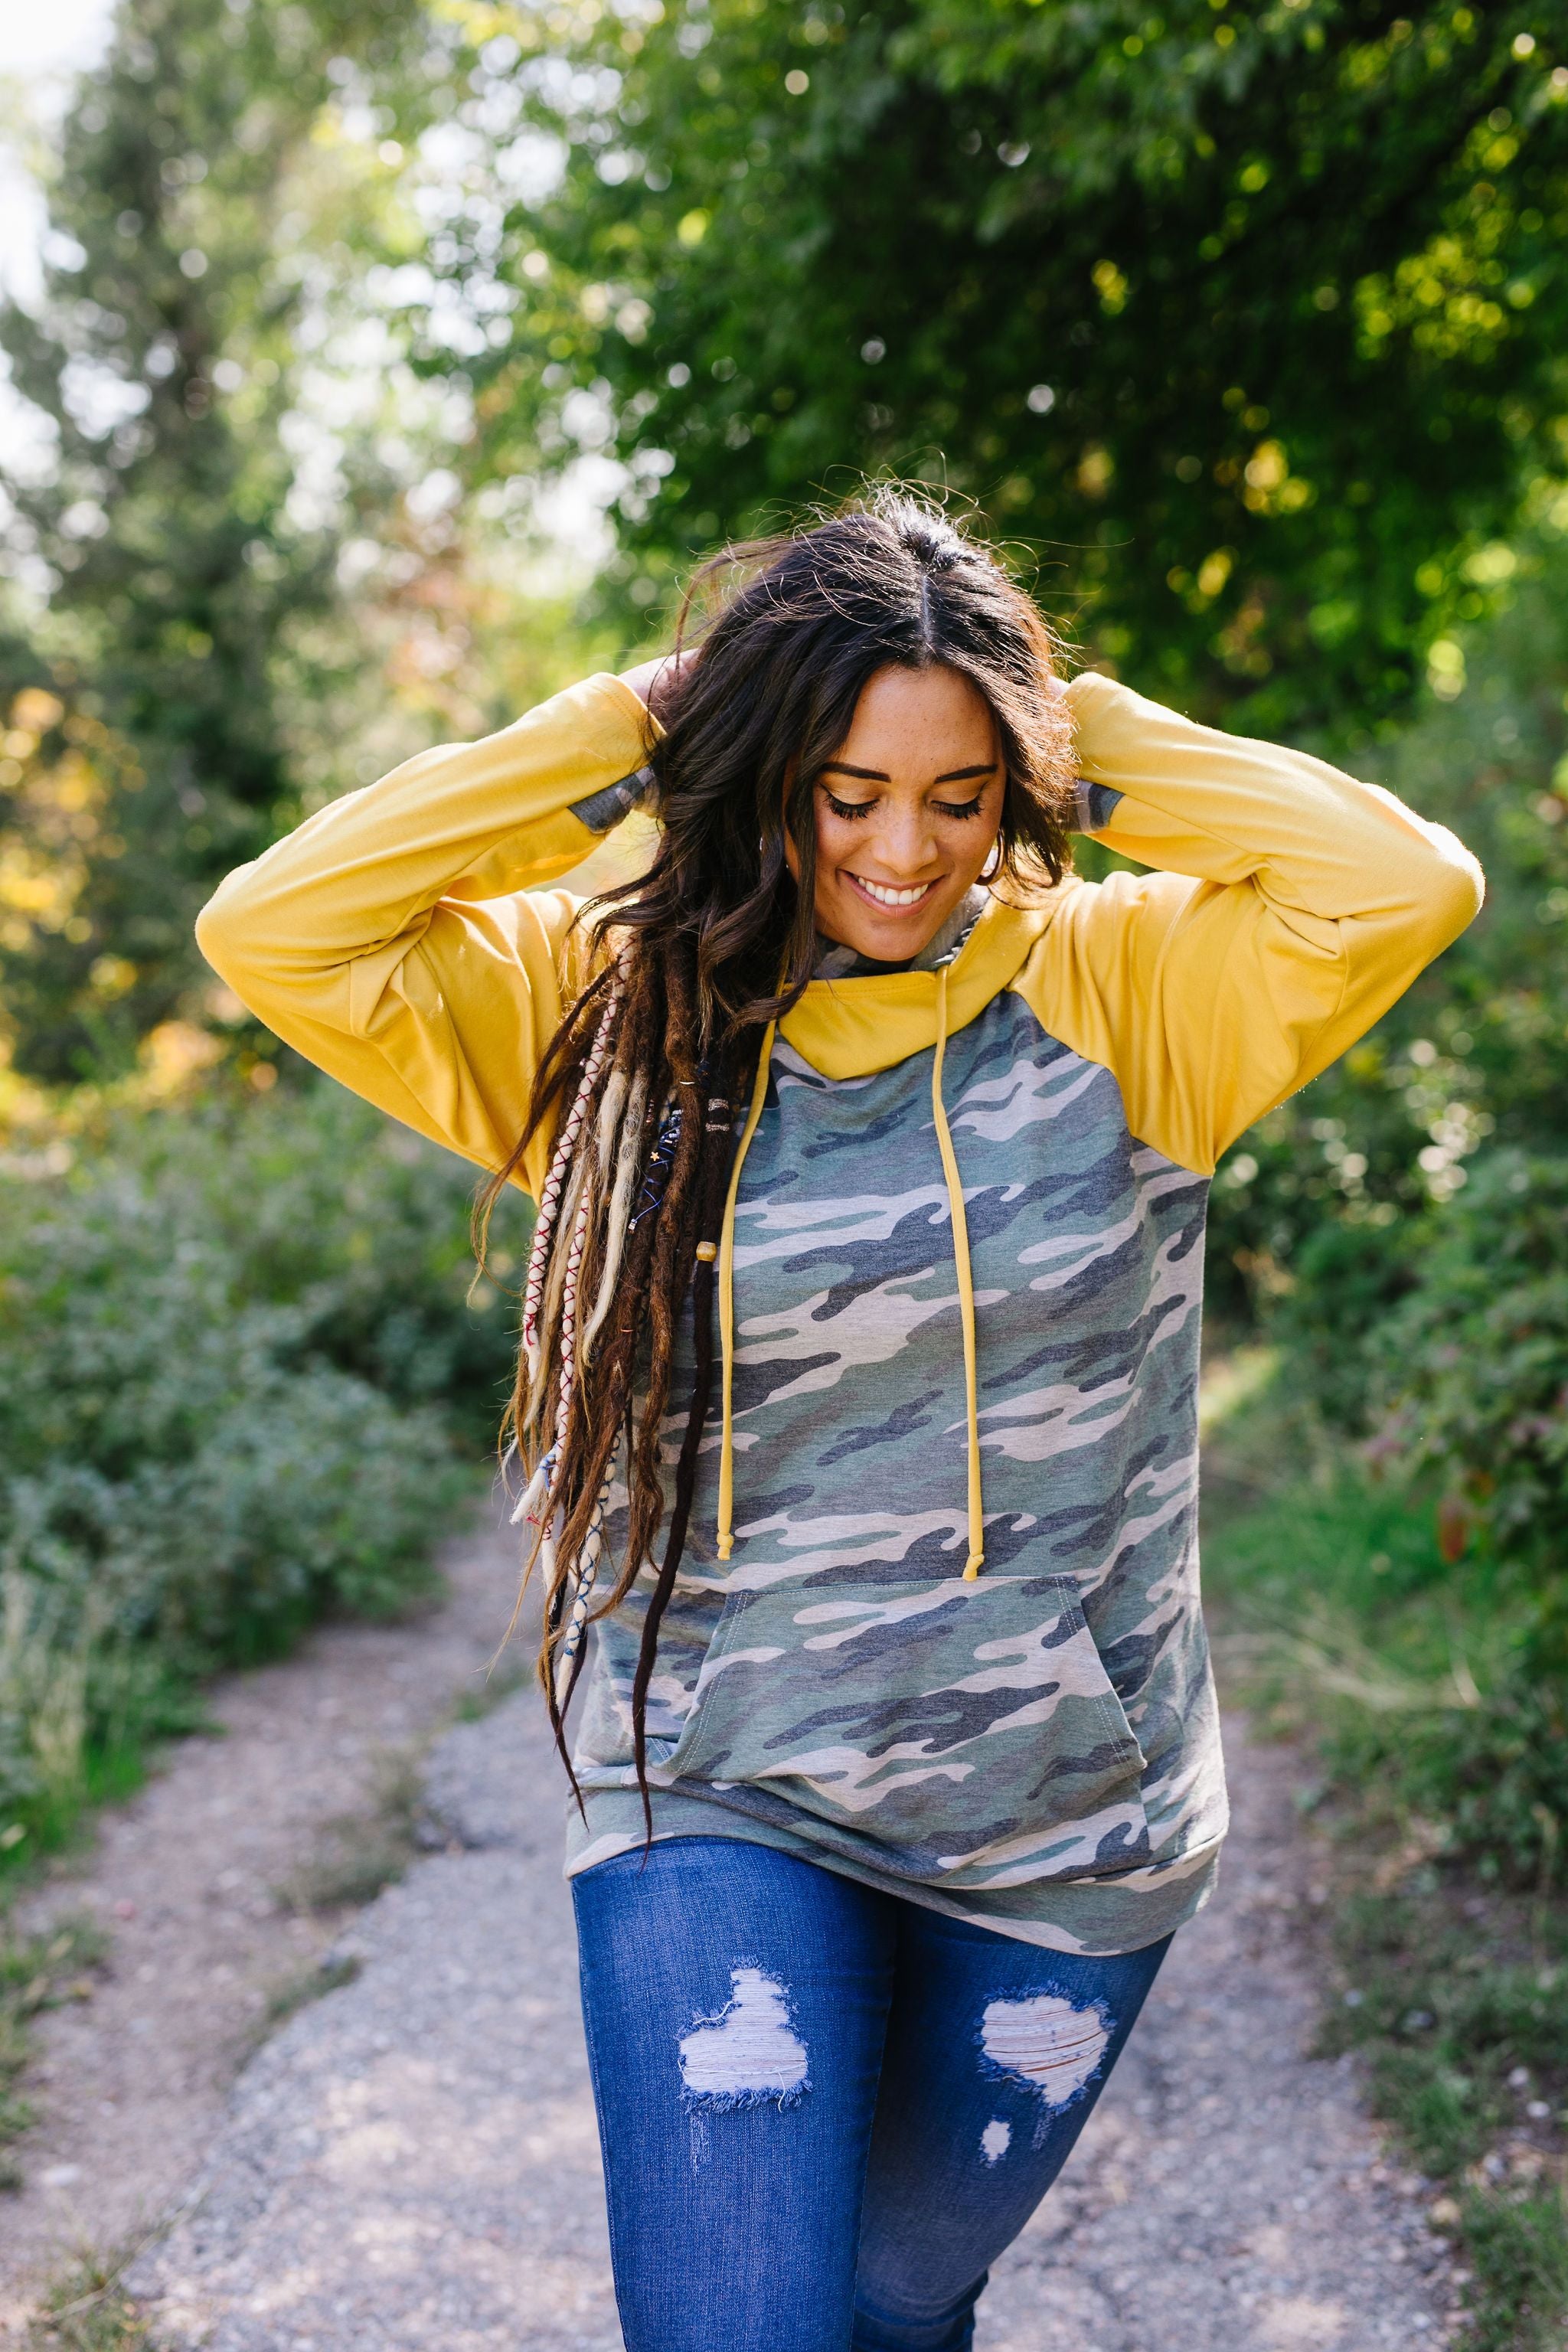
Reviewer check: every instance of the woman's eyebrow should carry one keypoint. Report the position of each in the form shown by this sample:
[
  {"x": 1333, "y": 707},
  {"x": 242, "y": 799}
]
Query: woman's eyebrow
[{"x": 880, "y": 775}]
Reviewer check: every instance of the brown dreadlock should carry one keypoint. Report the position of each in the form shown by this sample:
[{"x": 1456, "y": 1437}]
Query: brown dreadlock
[{"x": 643, "y": 1079}]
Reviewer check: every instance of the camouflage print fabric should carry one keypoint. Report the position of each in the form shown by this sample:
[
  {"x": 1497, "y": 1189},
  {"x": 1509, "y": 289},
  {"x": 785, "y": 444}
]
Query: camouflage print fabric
[{"x": 1038, "y": 1749}]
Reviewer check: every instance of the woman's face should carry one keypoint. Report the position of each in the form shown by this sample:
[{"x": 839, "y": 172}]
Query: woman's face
[{"x": 906, "y": 812}]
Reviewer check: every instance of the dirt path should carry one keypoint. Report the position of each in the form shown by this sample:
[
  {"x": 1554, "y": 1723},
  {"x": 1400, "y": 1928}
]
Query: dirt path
[
  {"x": 409, "y": 2165},
  {"x": 132, "y": 2085}
]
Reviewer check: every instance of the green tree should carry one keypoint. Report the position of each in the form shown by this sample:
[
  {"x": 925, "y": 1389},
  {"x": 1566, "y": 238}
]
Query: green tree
[
  {"x": 148, "y": 753},
  {"x": 1245, "y": 314}
]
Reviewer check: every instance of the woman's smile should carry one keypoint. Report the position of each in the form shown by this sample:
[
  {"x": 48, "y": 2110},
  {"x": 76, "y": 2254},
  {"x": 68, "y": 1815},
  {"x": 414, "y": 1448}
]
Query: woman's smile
[{"x": 885, "y": 895}]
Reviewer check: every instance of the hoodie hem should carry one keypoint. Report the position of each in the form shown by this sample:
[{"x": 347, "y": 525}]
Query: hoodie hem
[{"x": 1089, "y": 1917}]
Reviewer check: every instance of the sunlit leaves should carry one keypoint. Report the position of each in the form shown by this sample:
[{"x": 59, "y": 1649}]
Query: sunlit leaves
[
  {"x": 177, "y": 542},
  {"x": 1353, "y": 227}
]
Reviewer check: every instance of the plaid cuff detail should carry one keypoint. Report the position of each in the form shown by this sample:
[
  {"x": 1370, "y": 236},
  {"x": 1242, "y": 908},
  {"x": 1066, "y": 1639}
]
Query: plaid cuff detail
[
  {"x": 1097, "y": 804},
  {"x": 602, "y": 811}
]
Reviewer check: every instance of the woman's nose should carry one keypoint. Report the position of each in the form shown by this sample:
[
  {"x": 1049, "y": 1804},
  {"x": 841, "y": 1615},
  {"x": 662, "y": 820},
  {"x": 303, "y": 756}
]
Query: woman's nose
[{"x": 907, "y": 845}]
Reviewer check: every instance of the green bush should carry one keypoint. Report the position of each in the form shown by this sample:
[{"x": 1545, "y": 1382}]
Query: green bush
[
  {"x": 1492, "y": 1773},
  {"x": 1474, "y": 1369},
  {"x": 1416, "y": 1674},
  {"x": 1401, "y": 1229},
  {"x": 242, "y": 1385},
  {"x": 1475, "y": 1359},
  {"x": 1323, "y": 1212}
]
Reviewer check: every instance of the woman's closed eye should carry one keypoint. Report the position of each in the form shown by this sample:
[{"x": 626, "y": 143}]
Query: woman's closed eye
[{"x": 849, "y": 810}]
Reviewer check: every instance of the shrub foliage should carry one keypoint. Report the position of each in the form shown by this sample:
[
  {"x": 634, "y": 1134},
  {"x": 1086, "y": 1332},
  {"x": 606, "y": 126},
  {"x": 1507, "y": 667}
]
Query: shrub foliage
[{"x": 243, "y": 1385}]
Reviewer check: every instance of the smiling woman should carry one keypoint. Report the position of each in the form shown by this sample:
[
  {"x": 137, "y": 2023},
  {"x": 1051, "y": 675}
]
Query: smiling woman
[{"x": 866, "y": 1275}]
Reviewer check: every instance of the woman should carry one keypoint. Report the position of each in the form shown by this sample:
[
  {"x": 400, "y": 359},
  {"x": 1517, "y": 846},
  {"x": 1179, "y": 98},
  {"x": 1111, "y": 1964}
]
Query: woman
[{"x": 860, "y": 1350}]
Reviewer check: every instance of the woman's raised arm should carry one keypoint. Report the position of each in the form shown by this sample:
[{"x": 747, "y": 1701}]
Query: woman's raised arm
[
  {"x": 400, "y": 939},
  {"x": 1293, "y": 906}
]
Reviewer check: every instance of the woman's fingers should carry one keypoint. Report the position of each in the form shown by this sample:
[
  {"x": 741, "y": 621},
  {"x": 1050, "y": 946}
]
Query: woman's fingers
[{"x": 657, "y": 681}]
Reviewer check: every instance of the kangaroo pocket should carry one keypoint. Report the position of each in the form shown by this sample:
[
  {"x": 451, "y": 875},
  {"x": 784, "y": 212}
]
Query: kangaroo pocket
[{"x": 959, "y": 1734}]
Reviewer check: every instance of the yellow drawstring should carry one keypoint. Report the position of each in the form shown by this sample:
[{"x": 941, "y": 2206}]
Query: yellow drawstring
[
  {"x": 965, "y": 1282},
  {"x": 727, "y": 1298},
  {"x": 972, "y": 1566}
]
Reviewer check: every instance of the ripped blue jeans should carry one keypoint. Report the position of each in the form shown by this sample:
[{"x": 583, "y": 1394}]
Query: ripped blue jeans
[{"x": 823, "y": 2111}]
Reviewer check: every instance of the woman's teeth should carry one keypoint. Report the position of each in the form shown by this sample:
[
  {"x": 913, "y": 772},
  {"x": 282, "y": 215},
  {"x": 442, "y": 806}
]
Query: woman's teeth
[{"x": 886, "y": 898}]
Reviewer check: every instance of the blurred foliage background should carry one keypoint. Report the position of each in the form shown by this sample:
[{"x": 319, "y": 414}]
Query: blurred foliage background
[{"x": 388, "y": 364}]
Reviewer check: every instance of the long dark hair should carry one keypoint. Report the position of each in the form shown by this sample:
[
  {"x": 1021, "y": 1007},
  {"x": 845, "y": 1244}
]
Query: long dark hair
[{"x": 642, "y": 1080}]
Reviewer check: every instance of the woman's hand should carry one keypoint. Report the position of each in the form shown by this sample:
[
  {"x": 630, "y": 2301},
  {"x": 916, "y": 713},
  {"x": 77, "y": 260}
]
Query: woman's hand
[{"x": 657, "y": 681}]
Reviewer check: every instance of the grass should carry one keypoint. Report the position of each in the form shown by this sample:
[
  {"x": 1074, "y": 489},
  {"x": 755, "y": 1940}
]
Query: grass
[
  {"x": 105, "y": 1770},
  {"x": 359, "y": 1854},
  {"x": 1459, "y": 2002},
  {"x": 1446, "y": 1956},
  {"x": 86, "y": 2310},
  {"x": 36, "y": 1973},
  {"x": 481, "y": 1699},
  {"x": 297, "y": 1991},
  {"x": 1520, "y": 2255}
]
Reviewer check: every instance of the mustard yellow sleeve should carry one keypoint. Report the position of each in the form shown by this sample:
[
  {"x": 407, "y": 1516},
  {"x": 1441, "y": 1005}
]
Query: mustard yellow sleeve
[
  {"x": 1293, "y": 906},
  {"x": 400, "y": 938}
]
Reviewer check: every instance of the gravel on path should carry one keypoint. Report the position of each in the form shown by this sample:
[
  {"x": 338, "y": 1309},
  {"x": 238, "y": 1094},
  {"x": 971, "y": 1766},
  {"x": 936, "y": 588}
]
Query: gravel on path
[
  {"x": 410, "y": 2166},
  {"x": 132, "y": 2085}
]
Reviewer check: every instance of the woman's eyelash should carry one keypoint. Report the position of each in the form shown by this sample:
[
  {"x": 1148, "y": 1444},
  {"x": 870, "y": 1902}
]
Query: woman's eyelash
[{"x": 851, "y": 809}]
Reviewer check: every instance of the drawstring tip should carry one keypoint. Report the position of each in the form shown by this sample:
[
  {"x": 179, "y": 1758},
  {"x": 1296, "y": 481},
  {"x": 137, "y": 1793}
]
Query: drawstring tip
[
  {"x": 971, "y": 1566},
  {"x": 726, "y": 1545}
]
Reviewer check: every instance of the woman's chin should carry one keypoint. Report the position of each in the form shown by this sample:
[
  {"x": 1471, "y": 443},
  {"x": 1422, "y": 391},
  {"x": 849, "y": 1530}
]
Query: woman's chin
[
  {"x": 890, "y": 937},
  {"x": 884, "y": 942}
]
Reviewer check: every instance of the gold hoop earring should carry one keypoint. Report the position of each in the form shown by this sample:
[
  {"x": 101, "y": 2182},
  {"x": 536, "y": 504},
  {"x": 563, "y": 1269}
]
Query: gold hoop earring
[{"x": 993, "y": 865}]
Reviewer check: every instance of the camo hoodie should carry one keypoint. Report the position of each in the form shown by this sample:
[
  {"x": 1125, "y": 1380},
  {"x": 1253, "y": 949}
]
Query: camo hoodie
[{"x": 962, "y": 1282}]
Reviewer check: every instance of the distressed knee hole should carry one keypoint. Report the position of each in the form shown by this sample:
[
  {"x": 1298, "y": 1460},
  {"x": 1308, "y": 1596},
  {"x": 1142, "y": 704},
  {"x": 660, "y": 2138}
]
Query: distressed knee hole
[
  {"x": 1046, "y": 2043},
  {"x": 750, "y": 2053},
  {"x": 995, "y": 2139}
]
